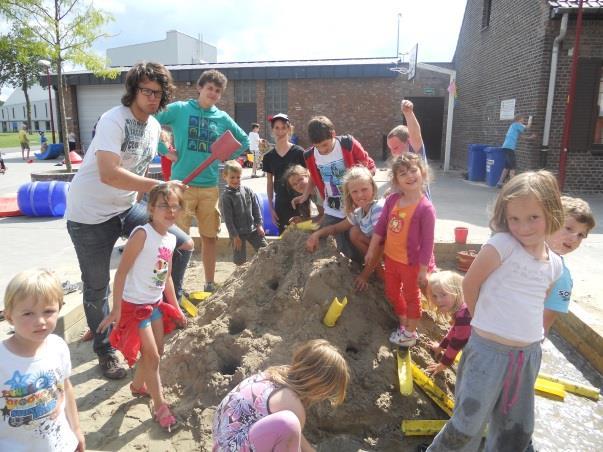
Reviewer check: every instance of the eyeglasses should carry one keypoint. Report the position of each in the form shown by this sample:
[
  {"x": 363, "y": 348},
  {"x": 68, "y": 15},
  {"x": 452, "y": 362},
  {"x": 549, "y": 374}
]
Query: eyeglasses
[
  {"x": 147, "y": 92},
  {"x": 172, "y": 208}
]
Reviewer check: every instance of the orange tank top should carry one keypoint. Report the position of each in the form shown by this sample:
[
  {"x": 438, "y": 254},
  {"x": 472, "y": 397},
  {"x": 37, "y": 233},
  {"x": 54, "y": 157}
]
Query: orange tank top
[{"x": 397, "y": 233}]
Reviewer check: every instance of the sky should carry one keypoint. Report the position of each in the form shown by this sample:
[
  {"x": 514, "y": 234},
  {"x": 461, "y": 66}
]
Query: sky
[{"x": 265, "y": 30}]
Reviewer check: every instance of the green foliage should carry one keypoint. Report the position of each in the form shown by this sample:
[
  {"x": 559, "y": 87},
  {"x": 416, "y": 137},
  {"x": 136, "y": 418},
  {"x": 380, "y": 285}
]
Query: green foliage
[
  {"x": 19, "y": 55},
  {"x": 66, "y": 29}
]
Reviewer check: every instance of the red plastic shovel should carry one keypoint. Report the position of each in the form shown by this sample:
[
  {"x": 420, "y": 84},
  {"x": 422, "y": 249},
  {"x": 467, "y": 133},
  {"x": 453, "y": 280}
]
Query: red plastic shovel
[{"x": 221, "y": 149}]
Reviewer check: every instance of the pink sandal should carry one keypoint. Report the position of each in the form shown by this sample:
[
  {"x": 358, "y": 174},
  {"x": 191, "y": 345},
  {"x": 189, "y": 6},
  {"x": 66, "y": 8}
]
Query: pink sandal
[
  {"x": 165, "y": 418},
  {"x": 139, "y": 392}
]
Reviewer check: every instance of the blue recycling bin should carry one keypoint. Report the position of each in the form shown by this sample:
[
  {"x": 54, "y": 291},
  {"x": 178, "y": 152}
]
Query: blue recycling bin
[
  {"x": 495, "y": 163},
  {"x": 476, "y": 162}
]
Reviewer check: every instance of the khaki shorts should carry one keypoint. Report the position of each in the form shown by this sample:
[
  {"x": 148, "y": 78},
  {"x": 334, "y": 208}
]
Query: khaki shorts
[{"x": 201, "y": 203}]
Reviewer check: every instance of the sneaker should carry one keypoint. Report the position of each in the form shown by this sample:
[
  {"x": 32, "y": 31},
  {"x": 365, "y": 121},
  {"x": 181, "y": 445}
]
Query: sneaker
[
  {"x": 111, "y": 368},
  {"x": 404, "y": 338},
  {"x": 209, "y": 287},
  {"x": 397, "y": 335}
]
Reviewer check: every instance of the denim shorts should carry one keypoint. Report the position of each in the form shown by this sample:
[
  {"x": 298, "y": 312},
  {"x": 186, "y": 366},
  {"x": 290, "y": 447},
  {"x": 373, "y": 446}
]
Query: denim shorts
[{"x": 155, "y": 315}]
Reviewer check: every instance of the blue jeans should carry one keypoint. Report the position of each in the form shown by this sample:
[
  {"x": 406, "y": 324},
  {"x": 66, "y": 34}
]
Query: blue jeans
[{"x": 94, "y": 244}]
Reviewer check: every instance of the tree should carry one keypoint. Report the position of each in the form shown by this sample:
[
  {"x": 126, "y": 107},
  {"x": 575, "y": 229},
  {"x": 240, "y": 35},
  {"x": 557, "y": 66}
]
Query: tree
[
  {"x": 67, "y": 28},
  {"x": 19, "y": 55}
]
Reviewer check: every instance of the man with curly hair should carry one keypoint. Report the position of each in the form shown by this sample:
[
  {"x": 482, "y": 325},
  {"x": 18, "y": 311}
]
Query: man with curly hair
[{"x": 102, "y": 203}]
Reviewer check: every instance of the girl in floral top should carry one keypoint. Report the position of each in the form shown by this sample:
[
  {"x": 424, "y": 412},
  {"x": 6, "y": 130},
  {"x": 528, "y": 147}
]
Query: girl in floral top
[{"x": 267, "y": 411}]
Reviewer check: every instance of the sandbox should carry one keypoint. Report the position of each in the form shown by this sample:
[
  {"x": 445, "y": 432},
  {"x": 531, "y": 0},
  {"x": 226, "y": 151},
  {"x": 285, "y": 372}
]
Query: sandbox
[{"x": 278, "y": 300}]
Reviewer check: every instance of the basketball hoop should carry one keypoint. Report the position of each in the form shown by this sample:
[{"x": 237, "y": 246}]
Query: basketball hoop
[{"x": 399, "y": 69}]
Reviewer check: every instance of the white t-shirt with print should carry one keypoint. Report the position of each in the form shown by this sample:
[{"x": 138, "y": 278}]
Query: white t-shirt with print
[
  {"x": 332, "y": 168},
  {"x": 91, "y": 201},
  {"x": 511, "y": 299},
  {"x": 32, "y": 388},
  {"x": 146, "y": 279}
]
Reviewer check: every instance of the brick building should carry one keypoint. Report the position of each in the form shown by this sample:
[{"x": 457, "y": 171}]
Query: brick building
[
  {"x": 505, "y": 53},
  {"x": 360, "y": 96}
]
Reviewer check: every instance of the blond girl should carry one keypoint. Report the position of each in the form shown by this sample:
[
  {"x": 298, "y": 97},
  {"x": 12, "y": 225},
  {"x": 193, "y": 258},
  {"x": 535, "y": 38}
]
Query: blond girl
[
  {"x": 445, "y": 292},
  {"x": 362, "y": 211},
  {"x": 267, "y": 411}
]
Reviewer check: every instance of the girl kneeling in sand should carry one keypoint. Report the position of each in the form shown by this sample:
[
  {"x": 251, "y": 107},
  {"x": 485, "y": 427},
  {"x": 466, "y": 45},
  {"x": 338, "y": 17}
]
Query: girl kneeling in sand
[{"x": 267, "y": 411}]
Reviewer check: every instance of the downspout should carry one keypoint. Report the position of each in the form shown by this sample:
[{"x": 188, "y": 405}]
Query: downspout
[
  {"x": 544, "y": 150},
  {"x": 569, "y": 109}
]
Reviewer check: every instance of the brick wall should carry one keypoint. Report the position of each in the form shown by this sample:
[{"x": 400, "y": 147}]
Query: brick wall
[
  {"x": 368, "y": 108},
  {"x": 584, "y": 171},
  {"x": 511, "y": 59}
]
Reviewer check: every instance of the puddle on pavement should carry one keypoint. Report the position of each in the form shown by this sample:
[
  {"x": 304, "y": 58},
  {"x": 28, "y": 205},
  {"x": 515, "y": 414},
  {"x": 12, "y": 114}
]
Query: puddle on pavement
[{"x": 577, "y": 422}]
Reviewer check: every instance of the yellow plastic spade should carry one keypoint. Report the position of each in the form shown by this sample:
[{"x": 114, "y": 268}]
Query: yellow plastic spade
[
  {"x": 198, "y": 296},
  {"x": 428, "y": 386},
  {"x": 335, "y": 310},
  {"x": 404, "y": 373},
  {"x": 421, "y": 427},
  {"x": 549, "y": 389},
  {"x": 307, "y": 225},
  {"x": 573, "y": 387},
  {"x": 188, "y": 306}
]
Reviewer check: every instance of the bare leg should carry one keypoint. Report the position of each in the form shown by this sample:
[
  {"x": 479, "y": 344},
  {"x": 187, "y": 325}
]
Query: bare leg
[
  {"x": 209, "y": 257},
  {"x": 503, "y": 176},
  {"x": 147, "y": 370}
]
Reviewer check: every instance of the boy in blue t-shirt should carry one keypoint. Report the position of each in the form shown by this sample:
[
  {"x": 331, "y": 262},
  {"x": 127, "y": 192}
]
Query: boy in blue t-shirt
[
  {"x": 579, "y": 221},
  {"x": 509, "y": 146}
]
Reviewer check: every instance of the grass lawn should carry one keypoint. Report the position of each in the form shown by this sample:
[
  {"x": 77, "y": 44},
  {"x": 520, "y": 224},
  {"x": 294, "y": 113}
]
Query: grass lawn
[{"x": 11, "y": 140}]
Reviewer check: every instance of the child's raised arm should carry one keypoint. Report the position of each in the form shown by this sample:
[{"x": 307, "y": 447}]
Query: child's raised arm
[
  {"x": 485, "y": 263},
  {"x": 131, "y": 251}
]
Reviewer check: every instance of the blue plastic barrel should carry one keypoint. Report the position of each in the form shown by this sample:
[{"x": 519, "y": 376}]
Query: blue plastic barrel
[
  {"x": 268, "y": 224},
  {"x": 476, "y": 162},
  {"x": 495, "y": 163},
  {"x": 43, "y": 199}
]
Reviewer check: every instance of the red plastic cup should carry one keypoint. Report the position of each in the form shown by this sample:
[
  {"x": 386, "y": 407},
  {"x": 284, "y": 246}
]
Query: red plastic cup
[{"x": 460, "y": 234}]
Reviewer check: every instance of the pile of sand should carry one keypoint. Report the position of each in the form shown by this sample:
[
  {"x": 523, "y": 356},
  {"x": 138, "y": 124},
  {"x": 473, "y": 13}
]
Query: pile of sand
[{"x": 277, "y": 301}]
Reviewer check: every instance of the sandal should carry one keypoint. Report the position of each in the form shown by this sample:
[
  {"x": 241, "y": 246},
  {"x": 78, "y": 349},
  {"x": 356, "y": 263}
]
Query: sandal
[
  {"x": 139, "y": 392},
  {"x": 165, "y": 418}
]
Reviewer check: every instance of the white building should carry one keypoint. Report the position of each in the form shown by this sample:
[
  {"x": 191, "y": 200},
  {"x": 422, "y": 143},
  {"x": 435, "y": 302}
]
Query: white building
[
  {"x": 14, "y": 112},
  {"x": 176, "y": 48}
]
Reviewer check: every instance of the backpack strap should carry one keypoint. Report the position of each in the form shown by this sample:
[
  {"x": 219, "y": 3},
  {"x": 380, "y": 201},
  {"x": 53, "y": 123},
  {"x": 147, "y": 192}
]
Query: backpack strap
[{"x": 346, "y": 142}]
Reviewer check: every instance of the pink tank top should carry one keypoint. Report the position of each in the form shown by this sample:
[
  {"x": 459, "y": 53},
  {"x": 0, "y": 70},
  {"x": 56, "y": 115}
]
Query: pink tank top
[{"x": 239, "y": 410}]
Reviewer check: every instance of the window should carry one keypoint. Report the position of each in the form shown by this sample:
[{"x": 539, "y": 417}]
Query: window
[
  {"x": 486, "y": 13},
  {"x": 46, "y": 108},
  {"x": 35, "y": 111},
  {"x": 24, "y": 113},
  {"x": 276, "y": 98},
  {"x": 244, "y": 91},
  {"x": 598, "y": 135},
  {"x": 13, "y": 109}
]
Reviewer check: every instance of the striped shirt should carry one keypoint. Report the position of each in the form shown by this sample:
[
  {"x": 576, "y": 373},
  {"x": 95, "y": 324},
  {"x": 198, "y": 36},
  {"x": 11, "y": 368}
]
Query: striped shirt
[
  {"x": 458, "y": 335},
  {"x": 367, "y": 221}
]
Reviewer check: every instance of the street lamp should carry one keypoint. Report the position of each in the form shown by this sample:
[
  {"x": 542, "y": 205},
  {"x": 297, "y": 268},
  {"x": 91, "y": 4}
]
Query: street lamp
[{"x": 46, "y": 64}]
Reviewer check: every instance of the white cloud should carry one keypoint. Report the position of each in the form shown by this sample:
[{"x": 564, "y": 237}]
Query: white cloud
[{"x": 265, "y": 30}]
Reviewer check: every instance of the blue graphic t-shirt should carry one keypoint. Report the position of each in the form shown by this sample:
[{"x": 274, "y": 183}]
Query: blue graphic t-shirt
[
  {"x": 559, "y": 298},
  {"x": 33, "y": 399},
  {"x": 195, "y": 129},
  {"x": 332, "y": 168}
]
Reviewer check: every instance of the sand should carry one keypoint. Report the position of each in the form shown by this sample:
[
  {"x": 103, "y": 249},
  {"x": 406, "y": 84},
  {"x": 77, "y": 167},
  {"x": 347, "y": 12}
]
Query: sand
[{"x": 275, "y": 302}]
